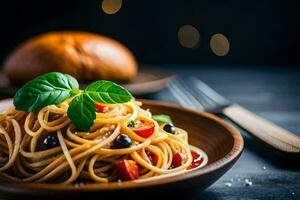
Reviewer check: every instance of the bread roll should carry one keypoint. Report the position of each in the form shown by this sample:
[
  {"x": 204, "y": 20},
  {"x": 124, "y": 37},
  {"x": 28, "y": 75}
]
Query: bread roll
[{"x": 86, "y": 56}]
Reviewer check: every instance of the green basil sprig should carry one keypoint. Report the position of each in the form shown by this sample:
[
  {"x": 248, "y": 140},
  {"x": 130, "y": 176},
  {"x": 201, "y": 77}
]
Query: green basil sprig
[
  {"x": 53, "y": 88},
  {"x": 132, "y": 123},
  {"x": 82, "y": 112},
  {"x": 107, "y": 92},
  {"x": 162, "y": 118}
]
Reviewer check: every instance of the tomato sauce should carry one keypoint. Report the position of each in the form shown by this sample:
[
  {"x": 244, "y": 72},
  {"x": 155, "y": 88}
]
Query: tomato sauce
[{"x": 197, "y": 160}]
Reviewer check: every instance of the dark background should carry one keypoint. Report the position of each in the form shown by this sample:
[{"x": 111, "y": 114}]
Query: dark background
[{"x": 264, "y": 32}]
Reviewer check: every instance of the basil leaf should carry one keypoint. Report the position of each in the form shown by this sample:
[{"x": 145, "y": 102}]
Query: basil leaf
[
  {"x": 47, "y": 89},
  {"x": 132, "y": 123},
  {"x": 108, "y": 92},
  {"x": 162, "y": 118},
  {"x": 82, "y": 112}
]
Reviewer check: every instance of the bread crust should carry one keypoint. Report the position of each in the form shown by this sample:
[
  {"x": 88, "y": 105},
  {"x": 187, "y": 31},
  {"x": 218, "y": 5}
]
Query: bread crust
[{"x": 86, "y": 56}]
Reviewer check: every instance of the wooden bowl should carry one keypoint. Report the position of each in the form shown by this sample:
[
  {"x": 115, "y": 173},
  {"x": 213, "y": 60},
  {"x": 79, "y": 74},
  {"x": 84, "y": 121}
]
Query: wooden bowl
[{"x": 222, "y": 143}]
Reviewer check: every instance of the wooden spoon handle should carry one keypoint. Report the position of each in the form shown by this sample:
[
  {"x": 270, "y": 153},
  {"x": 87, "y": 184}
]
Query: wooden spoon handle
[{"x": 271, "y": 134}]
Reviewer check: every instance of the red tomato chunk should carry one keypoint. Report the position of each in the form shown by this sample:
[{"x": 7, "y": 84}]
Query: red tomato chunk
[{"x": 127, "y": 170}]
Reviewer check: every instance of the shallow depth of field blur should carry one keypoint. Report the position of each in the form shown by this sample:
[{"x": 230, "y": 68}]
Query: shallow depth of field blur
[{"x": 228, "y": 32}]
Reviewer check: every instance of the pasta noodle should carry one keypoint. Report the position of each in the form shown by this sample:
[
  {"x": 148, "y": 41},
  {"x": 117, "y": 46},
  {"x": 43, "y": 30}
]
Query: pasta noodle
[{"x": 88, "y": 156}]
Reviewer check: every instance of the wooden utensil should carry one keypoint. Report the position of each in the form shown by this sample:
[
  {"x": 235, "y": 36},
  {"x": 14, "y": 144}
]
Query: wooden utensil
[{"x": 196, "y": 94}]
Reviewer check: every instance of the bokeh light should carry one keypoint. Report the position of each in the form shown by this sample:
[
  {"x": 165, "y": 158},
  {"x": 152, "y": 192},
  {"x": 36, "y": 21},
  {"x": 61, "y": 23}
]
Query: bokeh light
[
  {"x": 219, "y": 44},
  {"x": 188, "y": 36},
  {"x": 111, "y": 6}
]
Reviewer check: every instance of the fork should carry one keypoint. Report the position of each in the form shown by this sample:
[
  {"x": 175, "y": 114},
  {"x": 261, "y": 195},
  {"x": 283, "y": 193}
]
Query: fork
[{"x": 195, "y": 94}]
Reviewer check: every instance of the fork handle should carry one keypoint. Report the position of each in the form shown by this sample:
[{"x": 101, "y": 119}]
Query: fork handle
[{"x": 269, "y": 133}]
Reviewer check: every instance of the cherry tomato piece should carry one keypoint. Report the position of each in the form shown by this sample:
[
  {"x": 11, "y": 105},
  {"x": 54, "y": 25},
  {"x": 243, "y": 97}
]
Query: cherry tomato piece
[
  {"x": 152, "y": 157},
  {"x": 197, "y": 160},
  {"x": 177, "y": 160},
  {"x": 101, "y": 108},
  {"x": 127, "y": 170},
  {"x": 144, "y": 129}
]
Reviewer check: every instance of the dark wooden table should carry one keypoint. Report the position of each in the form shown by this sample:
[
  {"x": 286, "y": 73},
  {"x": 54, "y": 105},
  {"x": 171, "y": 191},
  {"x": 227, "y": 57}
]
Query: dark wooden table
[{"x": 273, "y": 93}]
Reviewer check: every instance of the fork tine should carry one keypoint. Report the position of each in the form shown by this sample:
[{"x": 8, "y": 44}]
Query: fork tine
[
  {"x": 193, "y": 101},
  {"x": 205, "y": 102},
  {"x": 209, "y": 92},
  {"x": 180, "y": 97},
  {"x": 183, "y": 96}
]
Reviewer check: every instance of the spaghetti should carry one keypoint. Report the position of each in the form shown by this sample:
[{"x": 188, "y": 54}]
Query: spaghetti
[{"x": 44, "y": 146}]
